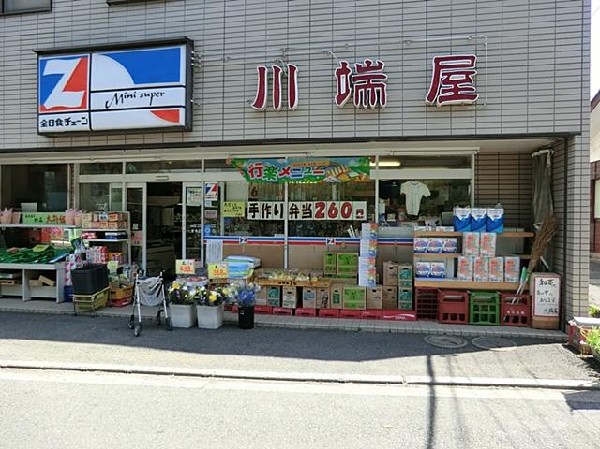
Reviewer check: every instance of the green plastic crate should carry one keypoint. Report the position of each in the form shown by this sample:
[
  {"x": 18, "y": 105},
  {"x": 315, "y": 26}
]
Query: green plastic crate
[{"x": 484, "y": 308}]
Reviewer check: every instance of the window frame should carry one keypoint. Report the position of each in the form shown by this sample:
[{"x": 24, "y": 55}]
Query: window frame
[{"x": 4, "y": 12}]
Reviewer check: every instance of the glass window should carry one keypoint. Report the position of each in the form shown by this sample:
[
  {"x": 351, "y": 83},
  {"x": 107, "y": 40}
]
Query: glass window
[
  {"x": 242, "y": 191},
  {"x": 405, "y": 201},
  {"x": 356, "y": 193},
  {"x": 101, "y": 196},
  {"x": 45, "y": 185},
  {"x": 26, "y": 5},
  {"x": 112, "y": 168},
  {"x": 191, "y": 166},
  {"x": 597, "y": 199}
]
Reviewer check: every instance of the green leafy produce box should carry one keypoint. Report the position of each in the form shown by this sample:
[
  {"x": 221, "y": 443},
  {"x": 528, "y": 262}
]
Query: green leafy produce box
[
  {"x": 329, "y": 264},
  {"x": 347, "y": 264},
  {"x": 354, "y": 297}
]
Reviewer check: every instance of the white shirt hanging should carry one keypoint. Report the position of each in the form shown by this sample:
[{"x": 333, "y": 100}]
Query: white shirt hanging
[{"x": 414, "y": 191}]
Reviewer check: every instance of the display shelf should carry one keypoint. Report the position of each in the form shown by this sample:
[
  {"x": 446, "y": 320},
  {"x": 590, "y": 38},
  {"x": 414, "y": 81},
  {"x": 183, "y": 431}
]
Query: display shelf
[
  {"x": 455, "y": 284},
  {"x": 457, "y": 255},
  {"x": 508, "y": 234},
  {"x": 30, "y": 271},
  {"x": 105, "y": 240},
  {"x": 122, "y": 245},
  {"x": 40, "y": 225},
  {"x": 103, "y": 230},
  {"x": 437, "y": 255}
]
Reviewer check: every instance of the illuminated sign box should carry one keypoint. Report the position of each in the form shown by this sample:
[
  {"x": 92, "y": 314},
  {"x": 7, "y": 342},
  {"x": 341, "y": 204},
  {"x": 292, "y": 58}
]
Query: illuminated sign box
[{"x": 147, "y": 86}]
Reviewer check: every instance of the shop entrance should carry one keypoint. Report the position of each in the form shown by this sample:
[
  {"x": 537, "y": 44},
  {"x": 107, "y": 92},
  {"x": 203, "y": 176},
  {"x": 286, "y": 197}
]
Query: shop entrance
[{"x": 169, "y": 220}]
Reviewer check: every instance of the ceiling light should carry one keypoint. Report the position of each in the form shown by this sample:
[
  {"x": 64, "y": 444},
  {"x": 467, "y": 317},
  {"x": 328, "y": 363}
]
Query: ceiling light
[{"x": 385, "y": 164}]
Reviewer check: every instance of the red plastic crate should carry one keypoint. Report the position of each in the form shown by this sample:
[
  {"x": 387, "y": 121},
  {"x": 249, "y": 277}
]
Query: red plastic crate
[
  {"x": 371, "y": 314},
  {"x": 120, "y": 302},
  {"x": 515, "y": 310},
  {"x": 453, "y": 307},
  {"x": 426, "y": 303},
  {"x": 398, "y": 315},
  {"x": 350, "y": 313},
  {"x": 282, "y": 311},
  {"x": 329, "y": 313},
  {"x": 267, "y": 310},
  {"x": 306, "y": 312}
]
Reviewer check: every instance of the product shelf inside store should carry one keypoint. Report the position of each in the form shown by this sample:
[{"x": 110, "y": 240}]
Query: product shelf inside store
[
  {"x": 105, "y": 240},
  {"x": 466, "y": 285},
  {"x": 105, "y": 230},
  {"x": 508, "y": 234},
  {"x": 33, "y": 226}
]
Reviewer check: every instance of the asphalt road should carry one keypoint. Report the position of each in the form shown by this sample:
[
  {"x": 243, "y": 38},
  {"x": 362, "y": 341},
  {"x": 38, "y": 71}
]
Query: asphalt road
[{"x": 63, "y": 410}]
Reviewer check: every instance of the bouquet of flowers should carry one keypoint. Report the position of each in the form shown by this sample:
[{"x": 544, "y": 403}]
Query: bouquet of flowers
[
  {"x": 206, "y": 296},
  {"x": 181, "y": 294},
  {"x": 243, "y": 293}
]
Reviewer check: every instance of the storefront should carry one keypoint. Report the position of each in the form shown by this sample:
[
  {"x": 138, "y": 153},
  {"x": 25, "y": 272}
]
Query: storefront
[{"x": 453, "y": 110}]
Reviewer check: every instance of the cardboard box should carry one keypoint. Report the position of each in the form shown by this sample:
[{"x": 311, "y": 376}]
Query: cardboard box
[
  {"x": 422, "y": 269},
  {"x": 354, "y": 297},
  {"x": 375, "y": 298},
  {"x": 487, "y": 244},
  {"x": 420, "y": 245},
  {"x": 35, "y": 283},
  {"x": 390, "y": 297},
  {"x": 405, "y": 272},
  {"x": 449, "y": 245},
  {"x": 462, "y": 219},
  {"x": 390, "y": 273},
  {"x": 480, "y": 269},
  {"x": 337, "y": 292},
  {"x": 512, "y": 269},
  {"x": 496, "y": 269},
  {"x": 309, "y": 297},
  {"x": 437, "y": 270},
  {"x": 273, "y": 295},
  {"x": 347, "y": 264},
  {"x": 405, "y": 299},
  {"x": 46, "y": 281},
  {"x": 323, "y": 295},
  {"x": 471, "y": 243},
  {"x": 495, "y": 220},
  {"x": 478, "y": 219},
  {"x": 289, "y": 297},
  {"x": 261, "y": 297},
  {"x": 464, "y": 269},
  {"x": 434, "y": 245},
  {"x": 330, "y": 264}
]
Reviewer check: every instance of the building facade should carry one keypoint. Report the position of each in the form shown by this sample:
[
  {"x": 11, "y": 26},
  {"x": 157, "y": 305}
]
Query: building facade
[{"x": 456, "y": 95}]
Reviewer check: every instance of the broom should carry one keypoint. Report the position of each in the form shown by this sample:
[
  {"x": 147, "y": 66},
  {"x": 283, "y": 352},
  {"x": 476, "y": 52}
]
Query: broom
[{"x": 542, "y": 238}]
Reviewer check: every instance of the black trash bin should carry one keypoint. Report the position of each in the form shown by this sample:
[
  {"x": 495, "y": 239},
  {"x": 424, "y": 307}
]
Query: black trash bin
[{"x": 89, "y": 279}]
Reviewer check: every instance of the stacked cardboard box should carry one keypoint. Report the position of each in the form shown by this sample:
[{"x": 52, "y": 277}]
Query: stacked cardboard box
[
  {"x": 479, "y": 262},
  {"x": 367, "y": 270}
]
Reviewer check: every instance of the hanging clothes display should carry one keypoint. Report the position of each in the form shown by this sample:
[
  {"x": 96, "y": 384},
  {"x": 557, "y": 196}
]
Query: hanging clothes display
[{"x": 414, "y": 191}]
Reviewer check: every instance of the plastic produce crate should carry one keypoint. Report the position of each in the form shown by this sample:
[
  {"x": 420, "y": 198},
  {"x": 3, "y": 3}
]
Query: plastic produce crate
[
  {"x": 91, "y": 303},
  {"x": 484, "y": 308},
  {"x": 453, "y": 307},
  {"x": 426, "y": 303},
  {"x": 515, "y": 310}
]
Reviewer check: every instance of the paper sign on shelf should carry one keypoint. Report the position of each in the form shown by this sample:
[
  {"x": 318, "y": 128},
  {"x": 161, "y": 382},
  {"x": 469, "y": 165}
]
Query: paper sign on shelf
[
  {"x": 185, "y": 266},
  {"x": 218, "y": 271},
  {"x": 214, "y": 251}
]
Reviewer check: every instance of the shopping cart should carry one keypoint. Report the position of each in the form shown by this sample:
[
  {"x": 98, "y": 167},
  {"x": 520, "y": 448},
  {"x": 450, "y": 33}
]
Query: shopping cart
[{"x": 149, "y": 291}]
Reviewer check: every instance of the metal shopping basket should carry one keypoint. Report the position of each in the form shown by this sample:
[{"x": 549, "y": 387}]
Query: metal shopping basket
[{"x": 149, "y": 291}]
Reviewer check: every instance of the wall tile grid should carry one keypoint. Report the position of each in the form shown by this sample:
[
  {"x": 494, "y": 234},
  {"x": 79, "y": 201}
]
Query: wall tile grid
[{"x": 534, "y": 57}]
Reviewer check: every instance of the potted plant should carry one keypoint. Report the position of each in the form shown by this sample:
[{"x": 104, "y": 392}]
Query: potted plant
[
  {"x": 181, "y": 305},
  {"x": 209, "y": 306},
  {"x": 593, "y": 340},
  {"x": 243, "y": 294}
]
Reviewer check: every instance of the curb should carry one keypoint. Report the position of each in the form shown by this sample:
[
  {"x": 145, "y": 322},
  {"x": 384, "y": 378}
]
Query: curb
[{"x": 365, "y": 379}]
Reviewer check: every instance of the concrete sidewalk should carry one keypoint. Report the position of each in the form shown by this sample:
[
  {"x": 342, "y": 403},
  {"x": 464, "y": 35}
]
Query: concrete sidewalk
[{"x": 43, "y": 341}]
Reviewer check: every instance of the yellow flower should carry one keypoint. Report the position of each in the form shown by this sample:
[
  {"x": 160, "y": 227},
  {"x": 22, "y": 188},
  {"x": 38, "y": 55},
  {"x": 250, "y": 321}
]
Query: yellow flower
[{"x": 212, "y": 297}]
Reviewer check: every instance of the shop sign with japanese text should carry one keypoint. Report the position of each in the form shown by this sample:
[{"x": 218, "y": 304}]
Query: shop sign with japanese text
[
  {"x": 304, "y": 170},
  {"x": 148, "y": 86},
  {"x": 307, "y": 210},
  {"x": 365, "y": 83}
]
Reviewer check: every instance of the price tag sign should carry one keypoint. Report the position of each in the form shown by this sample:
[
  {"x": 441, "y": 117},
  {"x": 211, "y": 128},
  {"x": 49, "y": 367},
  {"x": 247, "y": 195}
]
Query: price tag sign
[
  {"x": 218, "y": 271},
  {"x": 185, "y": 266}
]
